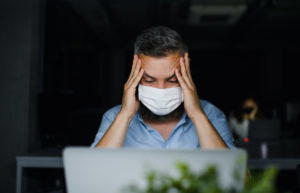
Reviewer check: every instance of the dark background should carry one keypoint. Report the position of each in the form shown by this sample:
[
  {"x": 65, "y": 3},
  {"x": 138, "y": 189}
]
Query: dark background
[
  {"x": 64, "y": 62},
  {"x": 89, "y": 47}
]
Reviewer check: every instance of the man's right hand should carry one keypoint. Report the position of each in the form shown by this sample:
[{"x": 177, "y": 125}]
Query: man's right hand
[{"x": 130, "y": 104}]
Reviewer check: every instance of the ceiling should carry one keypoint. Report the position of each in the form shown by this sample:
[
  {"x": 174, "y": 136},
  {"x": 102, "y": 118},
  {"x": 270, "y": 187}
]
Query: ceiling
[{"x": 203, "y": 23}]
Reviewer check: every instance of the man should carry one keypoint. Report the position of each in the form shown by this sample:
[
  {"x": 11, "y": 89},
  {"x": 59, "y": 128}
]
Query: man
[{"x": 160, "y": 106}]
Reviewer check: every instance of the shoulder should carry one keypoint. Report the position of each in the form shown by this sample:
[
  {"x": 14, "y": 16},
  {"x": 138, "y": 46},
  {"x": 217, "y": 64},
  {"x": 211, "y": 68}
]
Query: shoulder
[
  {"x": 111, "y": 113},
  {"x": 210, "y": 109}
]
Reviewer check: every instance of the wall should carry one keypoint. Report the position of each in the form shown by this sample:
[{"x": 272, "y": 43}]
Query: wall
[{"x": 19, "y": 83}]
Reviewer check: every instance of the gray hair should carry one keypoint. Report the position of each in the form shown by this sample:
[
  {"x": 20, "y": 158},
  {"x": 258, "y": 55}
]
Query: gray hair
[{"x": 159, "y": 41}]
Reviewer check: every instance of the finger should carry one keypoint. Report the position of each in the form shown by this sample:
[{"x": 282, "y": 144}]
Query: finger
[
  {"x": 181, "y": 80},
  {"x": 137, "y": 79},
  {"x": 137, "y": 68},
  {"x": 184, "y": 73},
  {"x": 136, "y": 72},
  {"x": 134, "y": 62},
  {"x": 188, "y": 68},
  {"x": 187, "y": 64}
]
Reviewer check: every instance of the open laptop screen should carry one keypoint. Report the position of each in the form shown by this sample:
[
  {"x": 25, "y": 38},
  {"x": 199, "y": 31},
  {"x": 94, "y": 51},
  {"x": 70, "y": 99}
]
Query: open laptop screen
[{"x": 103, "y": 170}]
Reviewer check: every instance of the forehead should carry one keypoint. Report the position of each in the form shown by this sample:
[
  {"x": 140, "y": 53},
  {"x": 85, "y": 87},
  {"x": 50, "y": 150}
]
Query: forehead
[{"x": 160, "y": 67}]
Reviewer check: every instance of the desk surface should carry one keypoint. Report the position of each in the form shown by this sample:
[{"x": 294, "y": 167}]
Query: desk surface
[
  {"x": 57, "y": 162},
  {"x": 53, "y": 159}
]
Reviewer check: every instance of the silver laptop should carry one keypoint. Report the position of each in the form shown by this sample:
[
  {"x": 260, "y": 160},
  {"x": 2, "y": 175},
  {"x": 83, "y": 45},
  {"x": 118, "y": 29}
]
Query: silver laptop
[{"x": 102, "y": 170}]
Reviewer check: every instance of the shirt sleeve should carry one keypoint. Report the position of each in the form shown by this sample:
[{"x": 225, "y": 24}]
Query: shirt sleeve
[
  {"x": 106, "y": 121},
  {"x": 219, "y": 121}
]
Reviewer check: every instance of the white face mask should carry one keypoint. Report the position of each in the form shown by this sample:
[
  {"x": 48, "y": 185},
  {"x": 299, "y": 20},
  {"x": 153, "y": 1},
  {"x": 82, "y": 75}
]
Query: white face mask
[{"x": 160, "y": 101}]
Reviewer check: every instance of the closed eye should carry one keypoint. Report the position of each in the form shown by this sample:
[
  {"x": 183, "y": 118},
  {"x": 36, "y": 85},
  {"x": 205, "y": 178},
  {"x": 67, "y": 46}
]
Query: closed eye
[
  {"x": 173, "y": 81},
  {"x": 149, "y": 81}
]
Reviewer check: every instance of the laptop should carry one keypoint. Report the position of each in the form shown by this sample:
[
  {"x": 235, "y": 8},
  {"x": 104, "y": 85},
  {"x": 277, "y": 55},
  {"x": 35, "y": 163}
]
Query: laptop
[
  {"x": 110, "y": 170},
  {"x": 264, "y": 129}
]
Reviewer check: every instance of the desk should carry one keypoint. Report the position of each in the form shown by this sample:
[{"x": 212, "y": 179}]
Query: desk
[
  {"x": 281, "y": 164},
  {"x": 34, "y": 162},
  {"x": 57, "y": 162}
]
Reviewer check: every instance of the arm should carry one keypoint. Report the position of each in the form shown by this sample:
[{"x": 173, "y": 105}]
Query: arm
[
  {"x": 208, "y": 136},
  {"x": 116, "y": 133}
]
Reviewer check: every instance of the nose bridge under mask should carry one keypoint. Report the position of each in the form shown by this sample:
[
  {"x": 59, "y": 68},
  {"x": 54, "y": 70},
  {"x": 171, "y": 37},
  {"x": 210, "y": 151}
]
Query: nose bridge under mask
[{"x": 160, "y": 101}]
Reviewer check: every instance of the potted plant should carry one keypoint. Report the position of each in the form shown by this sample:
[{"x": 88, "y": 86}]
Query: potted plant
[{"x": 206, "y": 182}]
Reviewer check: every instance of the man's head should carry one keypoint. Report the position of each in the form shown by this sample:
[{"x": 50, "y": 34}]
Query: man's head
[
  {"x": 159, "y": 42},
  {"x": 160, "y": 49}
]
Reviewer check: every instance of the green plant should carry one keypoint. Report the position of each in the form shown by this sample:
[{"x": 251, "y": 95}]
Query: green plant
[{"x": 206, "y": 182}]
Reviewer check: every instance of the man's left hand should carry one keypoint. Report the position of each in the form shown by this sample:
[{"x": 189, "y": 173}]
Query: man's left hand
[{"x": 190, "y": 96}]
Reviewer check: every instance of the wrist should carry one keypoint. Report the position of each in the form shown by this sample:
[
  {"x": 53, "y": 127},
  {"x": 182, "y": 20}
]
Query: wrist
[
  {"x": 125, "y": 115},
  {"x": 197, "y": 114}
]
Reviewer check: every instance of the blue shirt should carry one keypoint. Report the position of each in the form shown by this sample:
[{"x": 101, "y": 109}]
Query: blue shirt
[{"x": 183, "y": 136}]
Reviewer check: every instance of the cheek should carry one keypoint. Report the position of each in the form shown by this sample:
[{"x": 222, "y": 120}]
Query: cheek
[
  {"x": 172, "y": 84},
  {"x": 142, "y": 82}
]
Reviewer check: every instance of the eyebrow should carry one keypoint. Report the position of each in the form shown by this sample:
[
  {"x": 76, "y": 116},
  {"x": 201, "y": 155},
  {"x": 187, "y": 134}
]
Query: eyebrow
[{"x": 170, "y": 77}]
